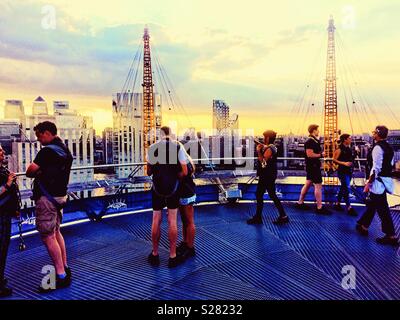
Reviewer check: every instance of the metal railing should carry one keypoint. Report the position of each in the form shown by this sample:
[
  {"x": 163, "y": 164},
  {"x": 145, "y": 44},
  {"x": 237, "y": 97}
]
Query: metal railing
[{"x": 202, "y": 161}]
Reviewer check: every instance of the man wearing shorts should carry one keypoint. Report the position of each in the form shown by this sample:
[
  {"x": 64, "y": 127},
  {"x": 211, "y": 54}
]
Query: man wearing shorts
[
  {"x": 166, "y": 163},
  {"x": 313, "y": 154},
  {"x": 51, "y": 169}
]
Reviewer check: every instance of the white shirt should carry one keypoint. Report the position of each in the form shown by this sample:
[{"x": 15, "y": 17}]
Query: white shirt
[{"x": 378, "y": 187}]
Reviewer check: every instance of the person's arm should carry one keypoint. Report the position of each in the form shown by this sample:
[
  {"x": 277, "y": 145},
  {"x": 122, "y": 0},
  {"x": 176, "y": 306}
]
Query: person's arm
[
  {"x": 267, "y": 154},
  {"x": 310, "y": 154},
  {"x": 148, "y": 169},
  {"x": 183, "y": 162},
  {"x": 260, "y": 156},
  {"x": 32, "y": 170},
  {"x": 10, "y": 179},
  {"x": 377, "y": 161},
  {"x": 40, "y": 161}
]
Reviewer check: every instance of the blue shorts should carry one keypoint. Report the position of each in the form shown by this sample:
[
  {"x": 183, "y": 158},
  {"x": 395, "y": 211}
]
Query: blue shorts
[{"x": 187, "y": 201}]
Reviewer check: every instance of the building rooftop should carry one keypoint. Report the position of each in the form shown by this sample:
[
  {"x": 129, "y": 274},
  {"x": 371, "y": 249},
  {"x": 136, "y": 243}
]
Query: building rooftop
[
  {"x": 302, "y": 260},
  {"x": 39, "y": 99}
]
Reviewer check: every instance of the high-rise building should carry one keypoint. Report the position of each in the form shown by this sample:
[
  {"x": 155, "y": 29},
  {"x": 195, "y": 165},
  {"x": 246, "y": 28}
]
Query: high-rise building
[
  {"x": 394, "y": 140},
  {"x": 108, "y": 145},
  {"x": 75, "y": 130},
  {"x": 62, "y": 107},
  {"x": 14, "y": 110},
  {"x": 234, "y": 122},
  {"x": 10, "y": 130},
  {"x": 128, "y": 129},
  {"x": 220, "y": 116},
  {"x": 39, "y": 107}
]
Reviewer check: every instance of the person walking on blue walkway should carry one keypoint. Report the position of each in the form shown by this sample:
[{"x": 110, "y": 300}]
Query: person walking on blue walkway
[
  {"x": 51, "y": 170},
  {"x": 166, "y": 163},
  {"x": 344, "y": 157},
  {"x": 267, "y": 172},
  {"x": 380, "y": 160},
  {"x": 313, "y": 154},
  {"x": 9, "y": 208}
]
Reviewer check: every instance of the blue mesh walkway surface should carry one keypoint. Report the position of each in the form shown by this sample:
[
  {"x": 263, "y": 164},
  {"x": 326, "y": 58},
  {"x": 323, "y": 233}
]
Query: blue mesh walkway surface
[{"x": 302, "y": 260}]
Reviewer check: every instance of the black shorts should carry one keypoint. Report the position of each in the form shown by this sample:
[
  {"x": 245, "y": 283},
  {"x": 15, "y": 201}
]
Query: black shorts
[
  {"x": 314, "y": 174},
  {"x": 160, "y": 202}
]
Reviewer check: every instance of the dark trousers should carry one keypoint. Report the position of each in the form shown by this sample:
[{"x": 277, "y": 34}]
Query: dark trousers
[
  {"x": 267, "y": 183},
  {"x": 5, "y": 234},
  {"x": 344, "y": 191},
  {"x": 378, "y": 202}
]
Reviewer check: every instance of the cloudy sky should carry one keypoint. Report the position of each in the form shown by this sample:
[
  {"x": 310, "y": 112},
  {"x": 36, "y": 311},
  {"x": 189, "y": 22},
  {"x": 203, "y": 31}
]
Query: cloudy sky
[{"x": 259, "y": 56}]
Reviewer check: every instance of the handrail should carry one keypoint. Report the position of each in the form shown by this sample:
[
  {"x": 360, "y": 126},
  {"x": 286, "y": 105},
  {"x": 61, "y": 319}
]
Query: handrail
[{"x": 201, "y": 161}]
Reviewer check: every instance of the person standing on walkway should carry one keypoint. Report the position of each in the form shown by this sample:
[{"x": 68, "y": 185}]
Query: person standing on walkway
[
  {"x": 9, "y": 208},
  {"x": 380, "y": 182},
  {"x": 187, "y": 198},
  {"x": 313, "y": 155},
  {"x": 51, "y": 169},
  {"x": 344, "y": 157},
  {"x": 166, "y": 163},
  {"x": 267, "y": 172}
]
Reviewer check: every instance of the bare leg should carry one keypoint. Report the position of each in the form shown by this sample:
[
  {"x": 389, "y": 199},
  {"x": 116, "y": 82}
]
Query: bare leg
[
  {"x": 190, "y": 226},
  {"x": 304, "y": 191},
  {"x": 318, "y": 194},
  {"x": 172, "y": 231},
  {"x": 61, "y": 243},
  {"x": 55, "y": 252},
  {"x": 184, "y": 223},
  {"x": 156, "y": 231}
]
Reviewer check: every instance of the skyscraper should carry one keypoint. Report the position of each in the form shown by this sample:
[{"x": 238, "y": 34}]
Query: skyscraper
[
  {"x": 14, "y": 110},
  {"x": 128, "y": 129},
  {"x": 39, "y": 107},
  {"x": 108, "y": 145},
  {"x": 75, "y": 130},
  {"x": 220, "y": 116}
]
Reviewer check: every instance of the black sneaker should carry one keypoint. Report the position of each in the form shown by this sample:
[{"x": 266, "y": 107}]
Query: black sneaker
[
  {"x": 361, "y": 230},
  {"x": 337, "y": 207},
  {"x": 386, "y": 240},
  {"x": 302, "y": 206},
  {"x": 281, "y": 220},
  {"x": 323, "y": 211},
  {"x": 189, "y": 253},
  {"x": 351, "y": 212},
  {"x": 181, "y": 248},
  {"x": 68, "y": 272},
  {"x": 153, "y": 260},
  {"x": 60, "y": 284},
  {"x": 174, "y": 262},
  {"x": 4, "y": 290},
  {"x": 254, "y": 220}
]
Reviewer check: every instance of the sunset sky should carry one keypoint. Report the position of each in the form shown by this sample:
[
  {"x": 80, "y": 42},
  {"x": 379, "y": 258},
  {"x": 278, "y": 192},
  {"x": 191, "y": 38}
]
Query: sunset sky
[{"x": 257, "y": 55}]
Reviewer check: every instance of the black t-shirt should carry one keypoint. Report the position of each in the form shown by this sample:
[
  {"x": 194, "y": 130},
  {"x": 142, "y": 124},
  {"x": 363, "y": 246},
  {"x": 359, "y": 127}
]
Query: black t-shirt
[
  {"x": 164, "y": 158},
  {"x": 313, "y": 144},
  {"x": 187, "y": 187},
  {"x": 346, "y": 155},
  {"x": 55, "y": 168}
]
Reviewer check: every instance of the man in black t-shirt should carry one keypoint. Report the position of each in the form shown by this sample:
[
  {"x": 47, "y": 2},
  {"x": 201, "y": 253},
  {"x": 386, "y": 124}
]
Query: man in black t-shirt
[
  {"x": 166, "y": 163},
  {"x": 51, "y": 169},
  {"x": 313, "y": 154}
]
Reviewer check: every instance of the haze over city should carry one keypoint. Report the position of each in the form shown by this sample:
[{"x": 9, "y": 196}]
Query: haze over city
[{"x": 257, "y": 58}]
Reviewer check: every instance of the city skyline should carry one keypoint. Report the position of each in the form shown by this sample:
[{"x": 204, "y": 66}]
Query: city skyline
[{"x": 258, "y": 67}]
